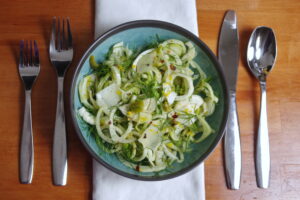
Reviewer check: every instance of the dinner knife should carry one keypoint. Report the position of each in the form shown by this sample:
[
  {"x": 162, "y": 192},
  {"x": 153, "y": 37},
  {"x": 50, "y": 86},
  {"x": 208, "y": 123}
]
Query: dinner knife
[{"x": 228, "y": 55}]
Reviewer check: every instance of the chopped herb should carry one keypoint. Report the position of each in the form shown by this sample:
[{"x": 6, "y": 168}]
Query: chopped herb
[{"x": 127, "y": 150}]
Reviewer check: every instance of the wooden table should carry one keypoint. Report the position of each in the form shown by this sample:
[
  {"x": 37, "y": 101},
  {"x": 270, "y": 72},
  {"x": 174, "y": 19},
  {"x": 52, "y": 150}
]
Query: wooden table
[{"x": 21, "y": 19}]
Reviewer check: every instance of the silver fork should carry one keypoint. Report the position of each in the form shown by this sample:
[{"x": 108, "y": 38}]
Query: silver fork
[
  {"x": 61, "y": 55},
  {"x": 29, "y": 69}
]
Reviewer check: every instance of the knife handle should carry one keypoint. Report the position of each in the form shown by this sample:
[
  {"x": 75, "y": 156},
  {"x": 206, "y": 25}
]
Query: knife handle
[{"x": 232, "y": 146}]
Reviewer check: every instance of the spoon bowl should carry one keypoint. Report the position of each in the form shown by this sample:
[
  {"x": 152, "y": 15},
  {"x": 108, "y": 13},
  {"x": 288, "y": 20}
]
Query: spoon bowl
[
  {"x": 261, "y": 56},
  {"x": 261, "y": 53}
]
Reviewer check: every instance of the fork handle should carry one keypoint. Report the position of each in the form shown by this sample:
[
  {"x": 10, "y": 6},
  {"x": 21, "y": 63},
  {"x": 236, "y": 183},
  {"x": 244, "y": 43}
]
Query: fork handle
[
  {"x": 59, "y": 151},
  {"x": 26, "y": 150}
]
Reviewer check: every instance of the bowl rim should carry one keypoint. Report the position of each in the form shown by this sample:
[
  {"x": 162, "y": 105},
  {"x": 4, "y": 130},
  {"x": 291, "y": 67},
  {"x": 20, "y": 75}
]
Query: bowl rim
[{"x": 173, "y": 28}]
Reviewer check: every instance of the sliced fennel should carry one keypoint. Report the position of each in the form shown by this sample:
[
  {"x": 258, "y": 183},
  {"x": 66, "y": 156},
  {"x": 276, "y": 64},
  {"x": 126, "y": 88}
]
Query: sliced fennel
[
  {"x": 146, "y": 107},
  {"x": 86, "y": 116}
]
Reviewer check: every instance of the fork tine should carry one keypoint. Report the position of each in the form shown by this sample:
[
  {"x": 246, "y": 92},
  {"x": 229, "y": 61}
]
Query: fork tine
[
  {"x": 59, "y": 39},
  {"x": 36, "y": 54},
  {"x": 21, "y": 61},
  {"x": 53, "y": 34},
  {"x": 30, "y": 54},
  {"x": 69, "y": 34},
  {"x": 26, "y": 54},
  {"x": 64, "y": 43}
]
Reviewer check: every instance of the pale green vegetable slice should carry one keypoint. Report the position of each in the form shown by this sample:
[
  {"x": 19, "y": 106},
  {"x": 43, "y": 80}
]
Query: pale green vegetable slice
[
  {"x": 109, "y": 96},
  {"x": 207, "y": 130},
  {"x": 151, "y": 138},
  {"x": 116, "y": 75},
  {"x": 86, "y": 116},
  {"x": 84, "y": 86},
  {"x": 189, "y": 86},
  {"x": 191, "y": 52},
  {"x": 144, "y": 60},
  {"x": 176, "y": 46}
]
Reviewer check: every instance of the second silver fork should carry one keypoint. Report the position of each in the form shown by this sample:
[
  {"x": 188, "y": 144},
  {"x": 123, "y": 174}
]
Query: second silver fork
[{"x": 61, "y": 56}]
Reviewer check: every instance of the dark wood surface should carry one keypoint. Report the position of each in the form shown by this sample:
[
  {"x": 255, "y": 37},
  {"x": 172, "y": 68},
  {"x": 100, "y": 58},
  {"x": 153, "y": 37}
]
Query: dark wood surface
[{"x": 20, "y": 19}]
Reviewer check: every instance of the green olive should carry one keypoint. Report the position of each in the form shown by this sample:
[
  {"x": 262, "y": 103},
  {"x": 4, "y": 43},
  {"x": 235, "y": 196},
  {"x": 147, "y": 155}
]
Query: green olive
[
  {"x": 93, "y": 62},
  {"x": 137, "y": 106}
]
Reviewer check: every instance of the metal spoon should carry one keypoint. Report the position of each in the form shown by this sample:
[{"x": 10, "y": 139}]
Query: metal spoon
[{"x": 261, "y": 55}]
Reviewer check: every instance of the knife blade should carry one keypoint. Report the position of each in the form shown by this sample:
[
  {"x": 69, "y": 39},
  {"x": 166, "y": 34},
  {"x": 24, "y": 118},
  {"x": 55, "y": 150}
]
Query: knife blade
[{"x": 228, "y": 55}]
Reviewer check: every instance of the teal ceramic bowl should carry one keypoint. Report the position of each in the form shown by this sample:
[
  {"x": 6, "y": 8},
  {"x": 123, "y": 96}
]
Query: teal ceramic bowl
[{"x": 138, "y": 34}]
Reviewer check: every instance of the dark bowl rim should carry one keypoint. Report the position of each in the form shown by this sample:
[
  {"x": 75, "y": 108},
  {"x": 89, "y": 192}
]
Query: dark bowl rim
[{"x": 173, "y": 28}]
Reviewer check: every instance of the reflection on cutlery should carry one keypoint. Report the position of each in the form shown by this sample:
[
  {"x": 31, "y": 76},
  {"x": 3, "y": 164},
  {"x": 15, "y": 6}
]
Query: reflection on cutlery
[
  {"x": 261, "y": 55},
  {"x": 29, "y": 69},
  {"x": 61, "y": 55},
  {"x": 229, "y": 57}
]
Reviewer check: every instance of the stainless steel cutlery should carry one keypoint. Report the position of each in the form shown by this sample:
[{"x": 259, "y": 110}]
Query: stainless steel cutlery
[
  {"x": 228, "y": 54},
  {"x": 61, "y": 56},
  {"x": 261, "y": 55},
  {"x": 29, "y": 69}
]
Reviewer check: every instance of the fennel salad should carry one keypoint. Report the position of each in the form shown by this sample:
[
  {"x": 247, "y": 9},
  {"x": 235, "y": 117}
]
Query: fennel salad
[{"x": 147, "y": 107}]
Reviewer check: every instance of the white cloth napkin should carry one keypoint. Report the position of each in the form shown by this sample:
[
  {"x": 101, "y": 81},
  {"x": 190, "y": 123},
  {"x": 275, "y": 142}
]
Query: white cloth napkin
[{"x": 106, "y": 184}]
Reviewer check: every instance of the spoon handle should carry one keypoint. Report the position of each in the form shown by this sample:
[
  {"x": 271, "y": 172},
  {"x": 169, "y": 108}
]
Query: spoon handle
[
  {"x": 232, "y": 147},
  {"x": 262, "y": 146}
]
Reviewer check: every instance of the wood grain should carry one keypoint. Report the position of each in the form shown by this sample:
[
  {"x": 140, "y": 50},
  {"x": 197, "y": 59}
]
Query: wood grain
[{"x": 20, "y": 19}]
